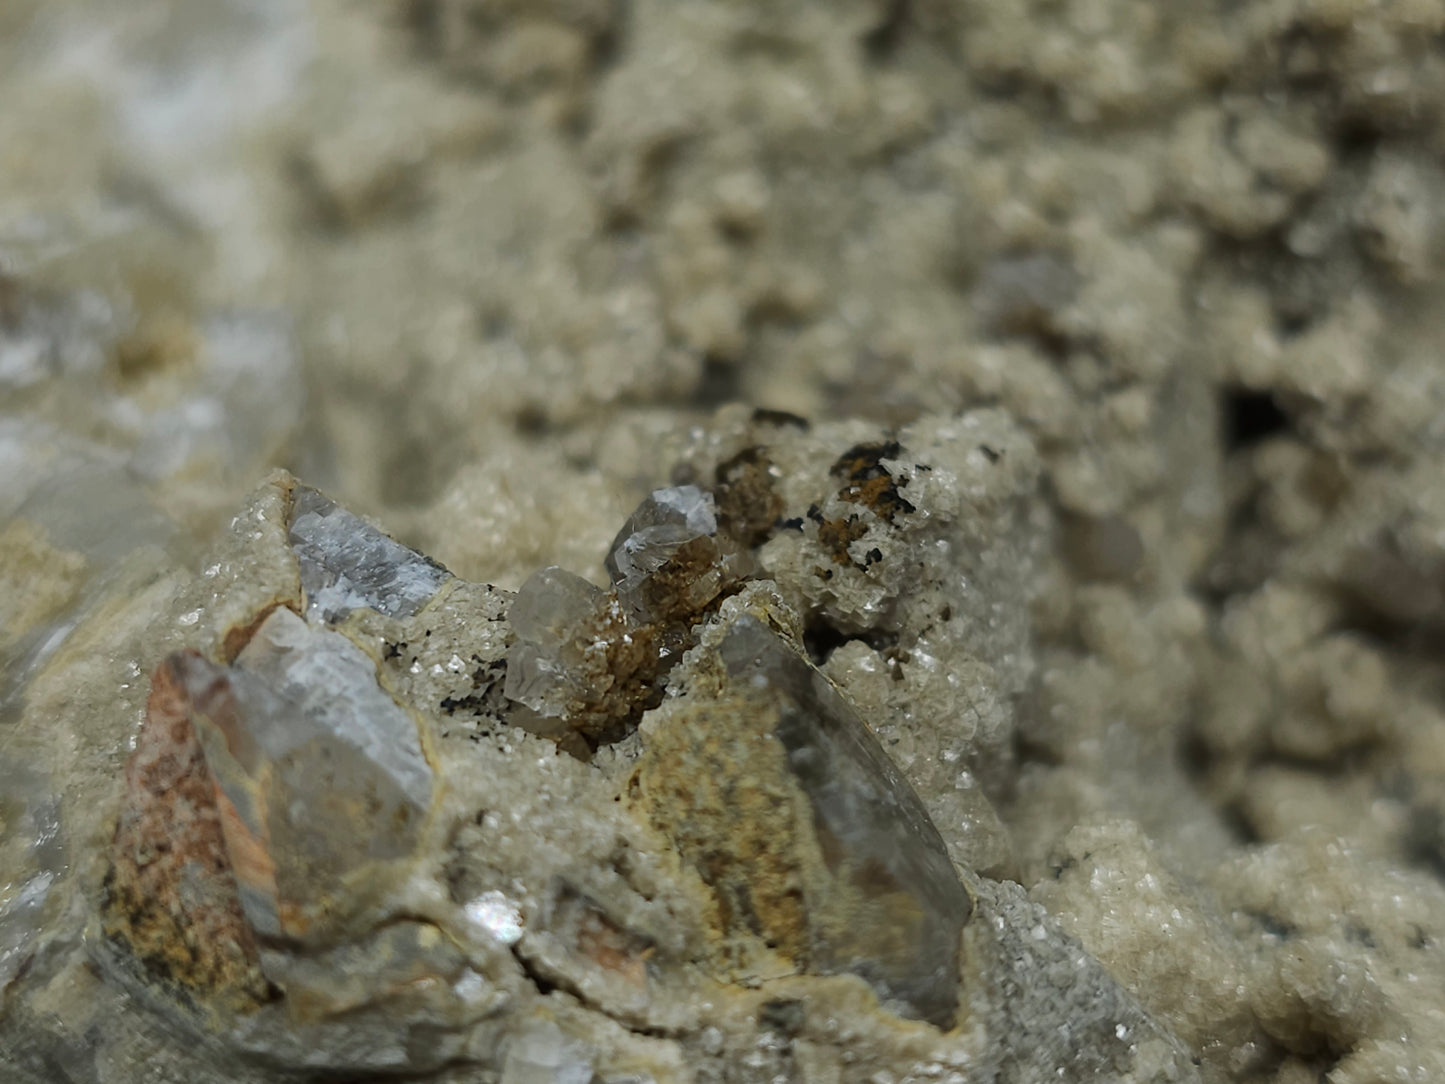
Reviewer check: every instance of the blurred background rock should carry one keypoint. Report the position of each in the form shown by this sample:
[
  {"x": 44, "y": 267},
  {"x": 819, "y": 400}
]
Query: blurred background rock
[{"x": 480, "y": 268}]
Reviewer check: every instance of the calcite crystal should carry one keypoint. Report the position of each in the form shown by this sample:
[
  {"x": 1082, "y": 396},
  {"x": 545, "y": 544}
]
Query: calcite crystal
[
  {"x": 171, "y": 893},
  {"x": 810, "y": 837},
  {"x": 550, "y": 617},
  {"x": 347, "y": 564},
  {"x": 579, "y": 660},
  {"x": 666, "y": 562},
  {"x": 320, "y": 774},
  {"x": 598, "y": 658}
]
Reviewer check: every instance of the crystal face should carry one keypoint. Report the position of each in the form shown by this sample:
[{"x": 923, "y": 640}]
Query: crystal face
[
  {"x": 551, "y": 616},
  {"x": 171, "y": 878},
  {"x": 346, "y": 564},
  {"x": 887, "y": 904},
  {"x": 665, "y": 558},
  {"x": 581, "y": 663},
  {"x": 320, "y": 774}
]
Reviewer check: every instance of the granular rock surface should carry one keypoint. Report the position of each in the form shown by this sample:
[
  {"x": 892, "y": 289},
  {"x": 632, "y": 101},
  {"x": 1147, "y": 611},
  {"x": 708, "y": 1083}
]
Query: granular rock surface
[{"x": 835, "y": 542}]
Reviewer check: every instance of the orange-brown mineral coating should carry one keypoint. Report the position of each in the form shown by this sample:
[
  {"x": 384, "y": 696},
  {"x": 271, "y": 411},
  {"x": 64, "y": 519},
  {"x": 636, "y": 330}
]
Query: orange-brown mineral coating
[
  {"x": 748, "y": 505},
  {"x": 673, "y": 590},
  {"x": 836, "y": 535},
  {"x": 868, "y": 481},
  {"x": 715, "y": 784},
  {"x": 171, "y": 897},
  {"x": 622, "y": 677}
]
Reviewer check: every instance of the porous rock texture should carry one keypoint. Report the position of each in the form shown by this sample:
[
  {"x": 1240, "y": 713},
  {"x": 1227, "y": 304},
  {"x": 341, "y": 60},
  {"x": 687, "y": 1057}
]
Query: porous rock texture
[{"x": 1085, "y": 416}]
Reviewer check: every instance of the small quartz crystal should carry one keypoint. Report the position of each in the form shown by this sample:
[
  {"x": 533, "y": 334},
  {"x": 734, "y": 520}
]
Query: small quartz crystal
[
  {"x": 347, "y": 564},
  {"x": 552, "y": 617},
  {"x": 579, "y": 662},
  {"x": 665, "y": 562}
]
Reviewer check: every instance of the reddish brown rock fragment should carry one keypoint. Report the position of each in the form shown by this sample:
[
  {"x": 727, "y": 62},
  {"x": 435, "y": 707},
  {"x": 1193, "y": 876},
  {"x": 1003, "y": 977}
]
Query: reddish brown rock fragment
[{"x": 171, "y": 896}]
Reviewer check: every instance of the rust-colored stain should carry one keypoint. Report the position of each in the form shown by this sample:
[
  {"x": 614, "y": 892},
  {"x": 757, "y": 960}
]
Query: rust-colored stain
[
  {"x": 748, "y": 506},
  {"x": 612, "y": 948},
  {"x": 868, "y": 482},
  {"x": 171, "y": 895}
]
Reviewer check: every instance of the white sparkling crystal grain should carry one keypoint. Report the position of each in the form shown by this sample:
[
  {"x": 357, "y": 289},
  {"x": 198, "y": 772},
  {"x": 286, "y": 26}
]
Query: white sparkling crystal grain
[{"x": 497, "y": 915}]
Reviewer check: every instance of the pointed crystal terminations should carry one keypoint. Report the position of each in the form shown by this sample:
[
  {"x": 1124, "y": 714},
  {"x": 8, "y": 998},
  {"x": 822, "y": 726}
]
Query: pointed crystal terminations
[
  {"x": 578, "y": 660},
  {"x": 347, "y": 564},
  {"x": 812, "y": 840},
  {"x": 592, "y": 661},
  {"x": 665, "y": 562},
  {"x": 320, "y": 776}
]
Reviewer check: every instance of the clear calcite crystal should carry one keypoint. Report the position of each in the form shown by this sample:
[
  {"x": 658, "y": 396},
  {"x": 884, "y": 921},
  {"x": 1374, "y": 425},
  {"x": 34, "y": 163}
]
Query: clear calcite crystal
[
  {"x": 665, "y": 561},
  {"x": 579, "y": 661},
  {"x": 551, "y": 617},
  {"x": 320, "y": 774},
  {"x": 811, "y": 838},
  {"x": 347, "y": 564}
]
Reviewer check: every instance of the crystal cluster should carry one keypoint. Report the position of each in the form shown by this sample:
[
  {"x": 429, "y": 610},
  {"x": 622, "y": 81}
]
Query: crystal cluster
[
  {"x": 668, "y": 560},
  {"x": 578, "y": 662},
  {"x": 334, "y": 858},
  {"x": 593, "y": 660},
  {"x": 275, "y": 799}
]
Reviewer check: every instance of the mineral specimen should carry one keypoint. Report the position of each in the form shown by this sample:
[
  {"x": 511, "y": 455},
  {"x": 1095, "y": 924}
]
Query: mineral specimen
[
  {"x": 666, "y": 562},
  {"x": 347, "y": 564},
  {"x": 811, "y": 839},
  {"x": 171, "y": 895},
  {"x": 578, "y": 657},
  {"x": 320, "y": 775},
  {"x": 337, "y": 853}
]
